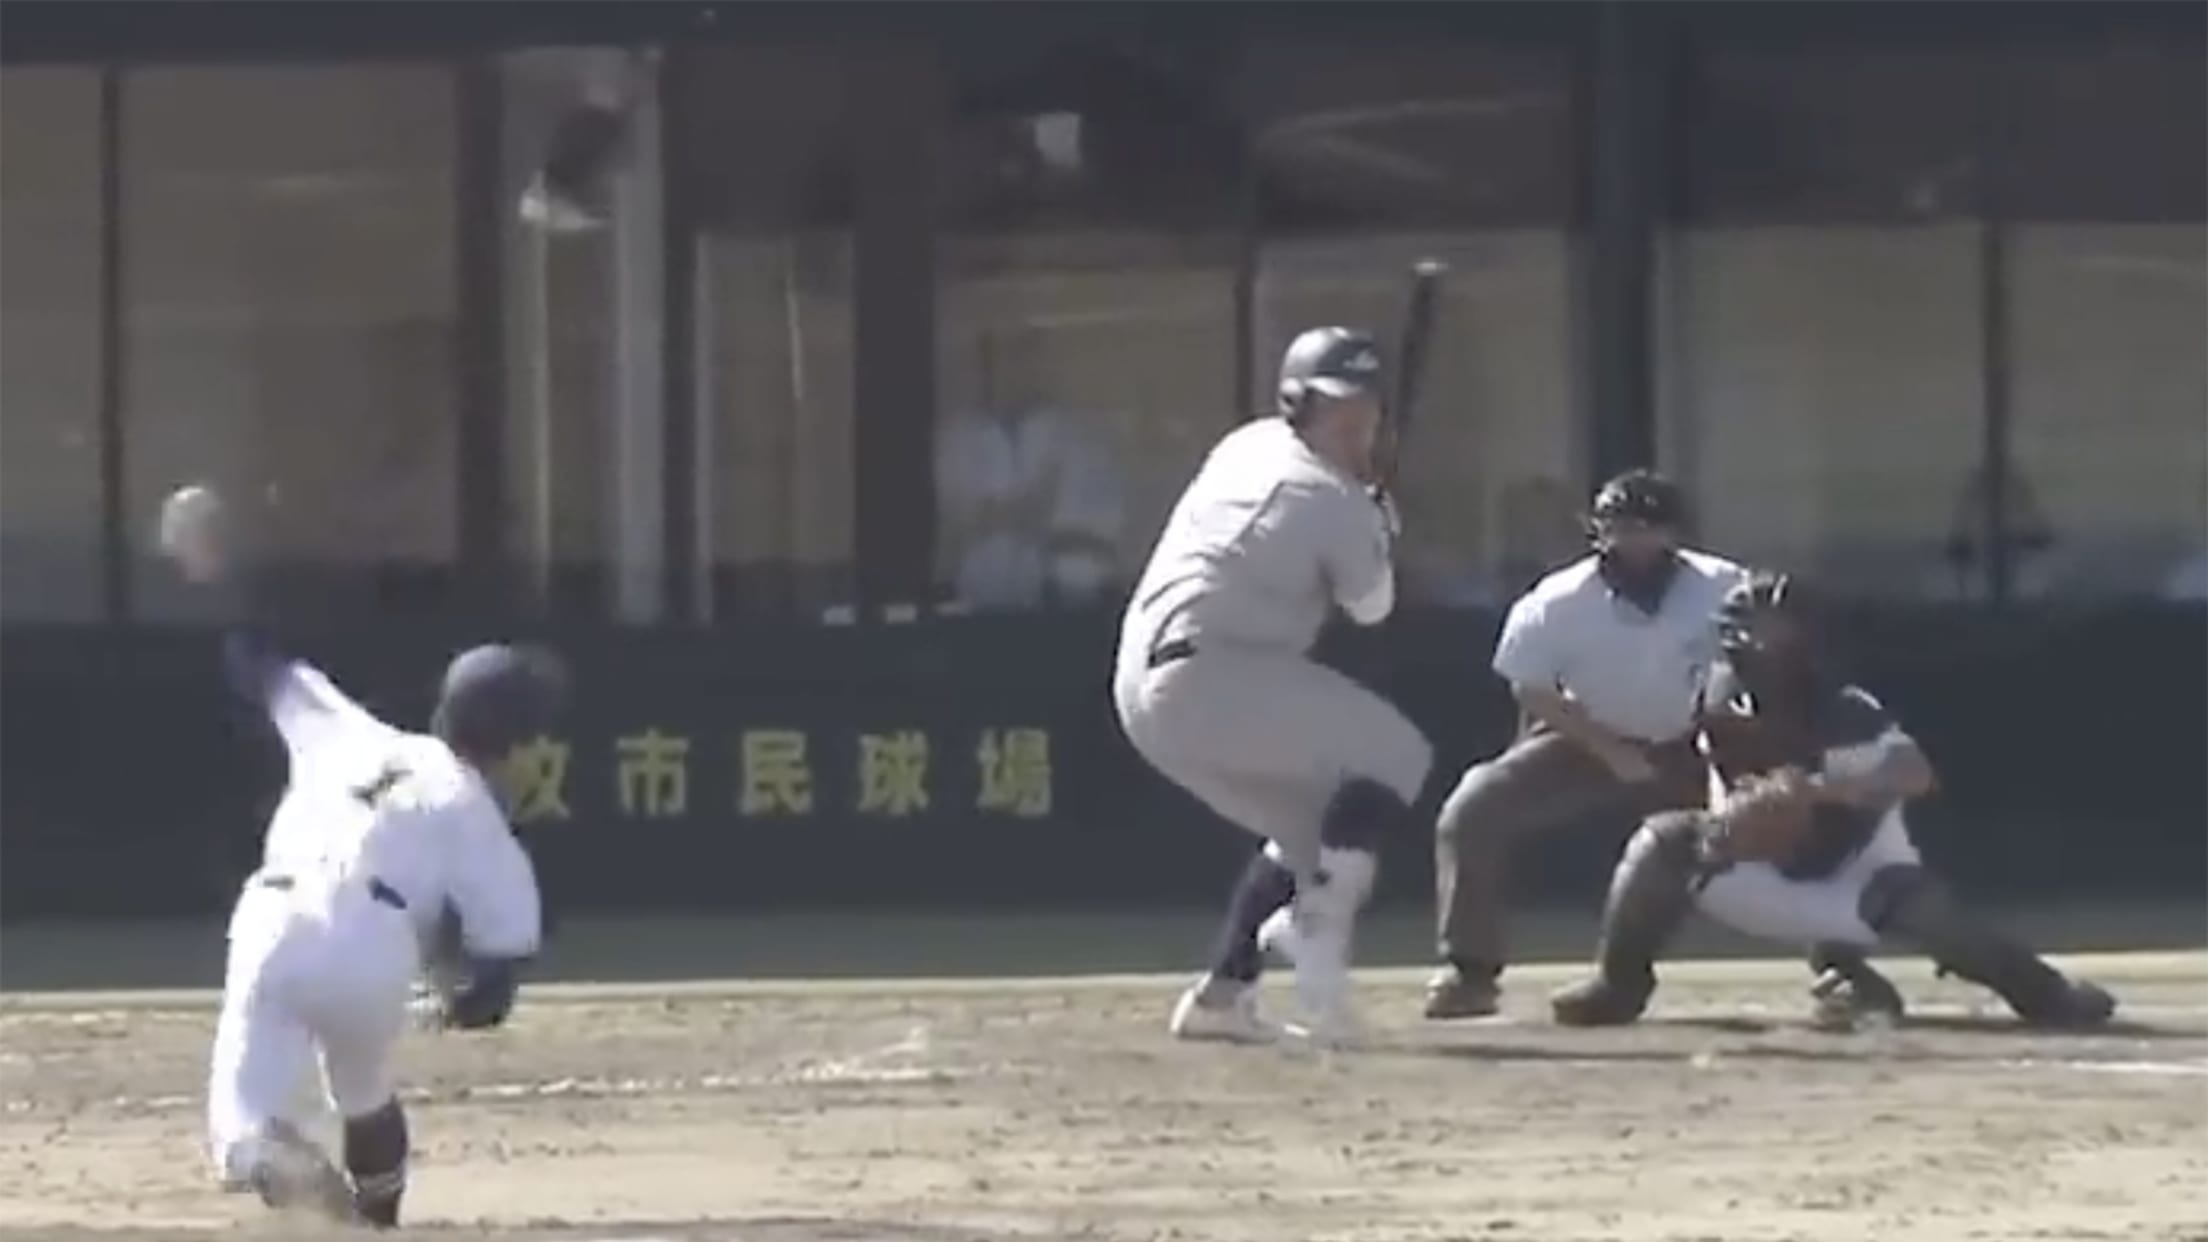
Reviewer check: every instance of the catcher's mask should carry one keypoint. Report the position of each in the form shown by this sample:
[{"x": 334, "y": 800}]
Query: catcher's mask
[
  {"x": 495, "y": 697},
  {"x": 1764, "y": 627},
  {"x": 1634, "y": 525},
  {"x": 1328, "y": 364}
]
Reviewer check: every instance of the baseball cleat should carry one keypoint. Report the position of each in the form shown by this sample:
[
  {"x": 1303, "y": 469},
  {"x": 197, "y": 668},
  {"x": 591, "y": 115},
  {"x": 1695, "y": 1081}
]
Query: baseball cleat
[
  {"x": 290, "y": 1173},
  {"x": 1598, "y": 1001},
  {"x": 1222, "y": 1011},
  {"x": 1454, "y": 994}
]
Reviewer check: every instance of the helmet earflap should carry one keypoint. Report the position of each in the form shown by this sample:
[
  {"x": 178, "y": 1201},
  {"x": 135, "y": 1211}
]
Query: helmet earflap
[{"x": 1326, "y": 361}]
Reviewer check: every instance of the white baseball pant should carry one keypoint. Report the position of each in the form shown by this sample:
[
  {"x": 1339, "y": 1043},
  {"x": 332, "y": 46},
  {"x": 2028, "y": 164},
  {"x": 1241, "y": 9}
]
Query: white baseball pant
[
  {"x": 316, "y": 972},
  {"x": 1757, "y": 899}
]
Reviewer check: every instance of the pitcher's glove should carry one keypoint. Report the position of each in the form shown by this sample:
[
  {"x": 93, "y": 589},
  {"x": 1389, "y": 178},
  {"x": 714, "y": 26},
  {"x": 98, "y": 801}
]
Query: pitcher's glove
[
  {"x": 460, "y": 992},
  {"x": 1764, "y": 818}
]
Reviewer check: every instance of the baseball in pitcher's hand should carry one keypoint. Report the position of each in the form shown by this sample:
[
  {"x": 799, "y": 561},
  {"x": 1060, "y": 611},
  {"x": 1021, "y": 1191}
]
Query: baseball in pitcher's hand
[{"x": 192, "y": 533}]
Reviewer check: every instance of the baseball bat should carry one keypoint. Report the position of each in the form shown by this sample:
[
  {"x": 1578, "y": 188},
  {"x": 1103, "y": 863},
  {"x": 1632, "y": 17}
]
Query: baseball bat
[{"x": 1410, "y": 360}]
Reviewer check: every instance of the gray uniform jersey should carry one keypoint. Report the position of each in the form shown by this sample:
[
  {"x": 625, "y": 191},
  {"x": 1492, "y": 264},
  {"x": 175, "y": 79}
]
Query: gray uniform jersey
[{"x": 1266, "y": 541}]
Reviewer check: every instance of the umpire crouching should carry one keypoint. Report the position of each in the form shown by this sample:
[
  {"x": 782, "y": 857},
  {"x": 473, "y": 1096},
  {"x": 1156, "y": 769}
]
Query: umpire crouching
[{"x": 1606, "y": 657}]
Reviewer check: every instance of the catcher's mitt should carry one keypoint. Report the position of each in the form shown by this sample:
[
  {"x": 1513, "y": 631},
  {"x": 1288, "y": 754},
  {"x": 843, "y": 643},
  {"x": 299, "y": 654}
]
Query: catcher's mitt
[{"x": 1765, "y": 817}]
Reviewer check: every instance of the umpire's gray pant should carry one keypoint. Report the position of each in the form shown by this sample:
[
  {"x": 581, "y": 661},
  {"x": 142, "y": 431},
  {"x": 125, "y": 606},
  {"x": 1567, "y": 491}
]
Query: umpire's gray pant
[
  {"x": 1267, "y": 739},
  {"x": 1542, "y": 783}
]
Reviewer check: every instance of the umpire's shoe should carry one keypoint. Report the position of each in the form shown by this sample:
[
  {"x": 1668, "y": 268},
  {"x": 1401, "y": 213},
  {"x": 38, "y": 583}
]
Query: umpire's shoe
[
  {"x": 1460, "y": 993},
  {"x": 1600, "y": 1000}
]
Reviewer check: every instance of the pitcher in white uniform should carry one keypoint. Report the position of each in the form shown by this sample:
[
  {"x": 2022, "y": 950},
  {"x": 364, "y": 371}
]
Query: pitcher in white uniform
[
  {"x": 1215, "y": 688},
  {"x": 384, "y": 841}
]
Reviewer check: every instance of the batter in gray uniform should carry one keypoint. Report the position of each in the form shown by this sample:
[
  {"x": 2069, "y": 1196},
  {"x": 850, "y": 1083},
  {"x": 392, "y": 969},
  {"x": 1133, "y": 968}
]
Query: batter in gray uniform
[{"x": 1215, "y": 688}]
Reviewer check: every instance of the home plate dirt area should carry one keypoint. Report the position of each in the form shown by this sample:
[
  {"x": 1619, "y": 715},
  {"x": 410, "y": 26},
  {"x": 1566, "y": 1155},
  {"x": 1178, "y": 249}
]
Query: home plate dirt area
[{"x": 1057, "y": 1109}]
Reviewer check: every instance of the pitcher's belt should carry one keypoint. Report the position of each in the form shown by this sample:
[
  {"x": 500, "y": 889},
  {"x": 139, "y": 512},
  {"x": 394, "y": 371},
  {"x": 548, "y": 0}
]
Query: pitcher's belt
[{"x": 376, "y": 888}]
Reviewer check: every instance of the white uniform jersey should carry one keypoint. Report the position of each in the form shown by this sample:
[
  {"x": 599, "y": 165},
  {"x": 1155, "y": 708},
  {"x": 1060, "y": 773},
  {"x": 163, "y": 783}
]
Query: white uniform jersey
[
  {"x": 1266, "y": 541},
  {"x": 1634, "y": 673},
  {"x": 370, "y": 803}
]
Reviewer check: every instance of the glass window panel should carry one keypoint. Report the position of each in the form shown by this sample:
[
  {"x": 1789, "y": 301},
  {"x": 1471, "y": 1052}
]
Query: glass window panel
[
  {"x": 1820, "y": 397},
  {"x": 1818, "y": 313},
  {"x": 560, "y": 341},
  {"x": 1085, "y": 310},
  {"x": 2108, "y": 129},
  {"x": 289, "y": 241},
  {"x": 1862, "y": 133},
  {"x": 1491, "y": 484},
  {"x": 2101, "y": 168},
  {"x": 1437, "y": 135},
  {"x": 1081, "y": 378},
  {"x": 2109, "y": 402},
  {"x": 1371, "y": 158},
  {"x": 769, "y": 164},
  {"x": 50, "y": 513},
  {"x": 777, "y": 317}
]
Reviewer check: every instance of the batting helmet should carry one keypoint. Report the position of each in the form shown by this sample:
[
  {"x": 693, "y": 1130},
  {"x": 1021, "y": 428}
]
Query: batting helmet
[
  {"x": 495, "y": 697},
  {"x": 1328, "y": 362}
]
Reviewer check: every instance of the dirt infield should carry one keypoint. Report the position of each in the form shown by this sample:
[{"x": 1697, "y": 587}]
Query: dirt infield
[{"x": 904, "y": 1111}]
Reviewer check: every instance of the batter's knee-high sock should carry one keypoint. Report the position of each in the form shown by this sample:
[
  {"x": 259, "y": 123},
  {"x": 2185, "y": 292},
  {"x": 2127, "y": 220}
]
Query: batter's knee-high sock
[
  {"x": 375, "y": 1156},
  {"x": 1265, "y": 886}
]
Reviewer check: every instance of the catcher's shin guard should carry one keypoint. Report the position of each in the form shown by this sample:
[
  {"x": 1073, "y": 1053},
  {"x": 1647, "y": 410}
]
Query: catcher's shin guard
[
  {"x": 1912, "y": 905},
  {"x": 1650, "y": 894}
]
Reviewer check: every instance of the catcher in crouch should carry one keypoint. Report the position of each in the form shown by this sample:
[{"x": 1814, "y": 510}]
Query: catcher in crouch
[{"x": 1803, "y": 840}]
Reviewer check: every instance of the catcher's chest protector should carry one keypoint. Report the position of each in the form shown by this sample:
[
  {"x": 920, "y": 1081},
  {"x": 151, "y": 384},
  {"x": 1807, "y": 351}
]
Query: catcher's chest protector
[{"x": 1745, "y": 740}]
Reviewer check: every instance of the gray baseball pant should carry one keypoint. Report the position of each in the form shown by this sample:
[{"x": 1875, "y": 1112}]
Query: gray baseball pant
[{"x": 1543, "y": 782}]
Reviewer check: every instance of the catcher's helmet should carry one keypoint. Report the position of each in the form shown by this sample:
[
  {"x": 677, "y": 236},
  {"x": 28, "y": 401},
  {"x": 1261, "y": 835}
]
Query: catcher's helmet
[
  {"x": 1328, "y": 362},
  {"x": 1742, "y": 617},
  {"x": 497, "y": 696}
]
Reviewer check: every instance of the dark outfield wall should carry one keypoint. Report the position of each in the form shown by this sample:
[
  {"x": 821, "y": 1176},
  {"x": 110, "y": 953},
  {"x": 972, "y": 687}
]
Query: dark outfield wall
[{"x": 974, "y": 763}]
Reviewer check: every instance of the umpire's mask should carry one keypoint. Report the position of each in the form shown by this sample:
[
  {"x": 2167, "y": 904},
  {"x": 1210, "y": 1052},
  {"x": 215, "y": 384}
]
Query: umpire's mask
[{"x": 1634, "y": 525}]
